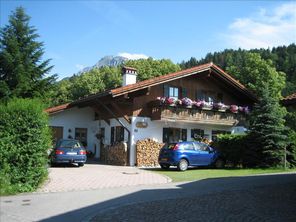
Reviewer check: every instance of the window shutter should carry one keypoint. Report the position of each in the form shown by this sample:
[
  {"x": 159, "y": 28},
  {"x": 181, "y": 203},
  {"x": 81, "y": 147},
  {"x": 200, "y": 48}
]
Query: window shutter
[
  {"x": 220, "y": 97},
  {"x": 165, "y": 90},
  {"x": 184, "y": 92},
  {"x": 184, "y": 135},
  {"x": 165, "y": 135},
  {"x": 121, "y": 134},
  {"x": 112, "y": 134}
]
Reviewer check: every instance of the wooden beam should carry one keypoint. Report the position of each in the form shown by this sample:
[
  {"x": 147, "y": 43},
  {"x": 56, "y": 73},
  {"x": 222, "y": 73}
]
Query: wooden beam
[
  {"x": 101, "y": 115},
  {"x": 119, "y": 111},
  {"x": 142, "y": 92}
]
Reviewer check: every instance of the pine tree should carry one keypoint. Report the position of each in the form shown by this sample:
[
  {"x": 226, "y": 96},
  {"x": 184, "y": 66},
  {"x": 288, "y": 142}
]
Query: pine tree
[
  {"x": 267, "y": 131},
  {"x": 22, "y": 71}
]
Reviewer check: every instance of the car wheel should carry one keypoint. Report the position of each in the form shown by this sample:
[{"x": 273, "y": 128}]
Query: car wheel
[
  {"x": 182, "y": 165},
  {"x": 80, "y": 164},
  {"x": 219, "y": 164},
  {"x": 165, "y": 166}
]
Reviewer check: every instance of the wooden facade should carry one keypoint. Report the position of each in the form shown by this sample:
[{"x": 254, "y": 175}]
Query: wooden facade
[
  {"x": 139, "y": 103},
  {"x": 200, "y": 116}
]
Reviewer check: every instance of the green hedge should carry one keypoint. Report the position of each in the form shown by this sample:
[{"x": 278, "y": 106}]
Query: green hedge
[
  {"x": 291, "y": 149},
  {"x": 232, "y": 148},
  {"x": 24, "y": 140}
]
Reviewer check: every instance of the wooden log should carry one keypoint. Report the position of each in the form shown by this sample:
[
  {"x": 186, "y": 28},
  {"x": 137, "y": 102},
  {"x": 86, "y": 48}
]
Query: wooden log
[{"x": 147, "y": 152}]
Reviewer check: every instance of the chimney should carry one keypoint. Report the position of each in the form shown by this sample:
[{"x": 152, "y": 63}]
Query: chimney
[{"x": 129, "y": 75}]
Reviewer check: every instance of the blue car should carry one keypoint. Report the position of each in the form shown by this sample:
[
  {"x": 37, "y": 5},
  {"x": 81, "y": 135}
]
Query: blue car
[
  {"x": 68, "y": 151},
  {"x": 184, "y": 154}
]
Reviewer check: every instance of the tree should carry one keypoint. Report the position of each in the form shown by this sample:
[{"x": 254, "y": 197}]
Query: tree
[
  {"x": 149, "y": 68},
  {"x": 267, "y": 131},
  {"x": 22, "y": 71},
  {"x": 283, "y": 58},
  {"x": 103, "y": 78},
  {"x": 256, "y": 73}
]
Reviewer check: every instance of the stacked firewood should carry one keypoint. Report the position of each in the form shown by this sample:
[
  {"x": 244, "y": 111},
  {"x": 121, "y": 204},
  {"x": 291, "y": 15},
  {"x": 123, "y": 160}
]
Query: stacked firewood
[
  {"x": 116, "y": 154},
  {"x": 147, "y": 152}
]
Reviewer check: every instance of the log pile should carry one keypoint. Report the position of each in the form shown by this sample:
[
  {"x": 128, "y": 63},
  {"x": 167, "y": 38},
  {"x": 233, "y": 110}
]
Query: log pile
[
  {"x": 147, "y": 152},
  {"x": 116, "y": 154}
]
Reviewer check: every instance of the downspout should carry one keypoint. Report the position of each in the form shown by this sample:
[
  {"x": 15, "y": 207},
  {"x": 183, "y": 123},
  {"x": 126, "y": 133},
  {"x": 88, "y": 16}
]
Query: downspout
[{"x": 123, "y": 125}]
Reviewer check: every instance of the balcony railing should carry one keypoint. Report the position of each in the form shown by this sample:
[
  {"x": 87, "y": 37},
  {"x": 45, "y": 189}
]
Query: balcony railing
[{"x": 201, "y": 116}]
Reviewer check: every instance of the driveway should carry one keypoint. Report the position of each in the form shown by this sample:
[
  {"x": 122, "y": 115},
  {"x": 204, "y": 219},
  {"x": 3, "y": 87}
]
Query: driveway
[
  {"x": 254, "y": 198},
  {"x": 97, "y": 176}
]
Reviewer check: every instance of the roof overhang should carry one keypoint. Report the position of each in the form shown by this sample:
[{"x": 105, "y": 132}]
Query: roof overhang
[{"x": 210, "y": 67}]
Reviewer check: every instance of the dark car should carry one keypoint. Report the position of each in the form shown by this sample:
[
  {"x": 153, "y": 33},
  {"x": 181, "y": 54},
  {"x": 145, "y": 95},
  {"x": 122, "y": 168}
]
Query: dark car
[
  {"x": 68, "y": 151},
  {"x": 184, "y": 154}
]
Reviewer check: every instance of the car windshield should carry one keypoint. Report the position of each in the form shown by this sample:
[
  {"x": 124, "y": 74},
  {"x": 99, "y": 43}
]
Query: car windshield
[{"x": 69, "y": 144}]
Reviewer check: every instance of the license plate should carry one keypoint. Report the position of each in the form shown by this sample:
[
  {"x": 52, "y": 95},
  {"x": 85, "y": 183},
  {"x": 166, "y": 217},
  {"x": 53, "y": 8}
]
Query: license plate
[
  {"x": 72, "y": 153},
  {"x": 164, "y": 159}
]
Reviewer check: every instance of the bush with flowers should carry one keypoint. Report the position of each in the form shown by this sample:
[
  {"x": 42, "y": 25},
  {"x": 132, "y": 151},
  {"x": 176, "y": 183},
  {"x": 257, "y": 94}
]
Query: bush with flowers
[{"x": 186, "y": 101}]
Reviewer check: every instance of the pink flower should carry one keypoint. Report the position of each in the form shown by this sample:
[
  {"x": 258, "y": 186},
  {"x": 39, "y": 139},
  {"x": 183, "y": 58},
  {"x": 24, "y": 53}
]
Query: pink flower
[{"x": 233, "y": 108}]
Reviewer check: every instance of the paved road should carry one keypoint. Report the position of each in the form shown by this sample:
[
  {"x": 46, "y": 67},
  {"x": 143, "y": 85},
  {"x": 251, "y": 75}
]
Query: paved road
[
  {"x": 98, "y": 176},
  {"x": 256, "y": 198}
]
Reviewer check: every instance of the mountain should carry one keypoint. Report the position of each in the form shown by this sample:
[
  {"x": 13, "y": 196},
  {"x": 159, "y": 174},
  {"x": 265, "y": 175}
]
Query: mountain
[{"x": 106, "y": 61}]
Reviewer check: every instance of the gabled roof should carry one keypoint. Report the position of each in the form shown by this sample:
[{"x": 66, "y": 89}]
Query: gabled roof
[
  {"x": 291, "y": 99},
  {"x": 212, "y": 68},
  {"x": 59, "y": 108}
]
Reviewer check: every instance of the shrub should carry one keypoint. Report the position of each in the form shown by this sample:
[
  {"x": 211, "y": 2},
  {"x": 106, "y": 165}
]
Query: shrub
[
  {"x": 232, "y": 148},
  {"x": 24, "y": 140},
  {"x": 291, "y": 149}
]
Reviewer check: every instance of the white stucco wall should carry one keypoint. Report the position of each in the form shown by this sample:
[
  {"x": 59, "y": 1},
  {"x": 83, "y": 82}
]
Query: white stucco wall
[
  {"x": 154, "y": 131},
  {"x": 78, "y": 118},
  {"x": 84, "y": 118}
]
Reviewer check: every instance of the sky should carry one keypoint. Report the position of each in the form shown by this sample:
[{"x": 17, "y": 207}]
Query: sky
[{"x": 76, "y": 34}]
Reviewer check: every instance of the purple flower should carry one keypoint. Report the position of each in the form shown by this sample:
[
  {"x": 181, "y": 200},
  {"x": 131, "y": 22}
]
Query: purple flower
[
  {"x": 186, "y": 101},
  {"x": 218, "y": 106},
  {"x": 198, "y": 104}
]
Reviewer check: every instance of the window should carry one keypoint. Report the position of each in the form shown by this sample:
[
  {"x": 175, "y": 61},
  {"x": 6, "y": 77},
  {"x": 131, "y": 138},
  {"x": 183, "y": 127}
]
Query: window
[
  {"x": 69, "y": 144},
  {"x": 81, "y": 135},
  {"x": 174, "y": 135},
  {"x": 117, "y": 134},
  {"x": 197, "y": 134},
  {"x": 209, "y": 96},
  {"x": 201, "y": 146},
  {"x": 188, "y": 146},
  {"x": 171, "y": 91}
]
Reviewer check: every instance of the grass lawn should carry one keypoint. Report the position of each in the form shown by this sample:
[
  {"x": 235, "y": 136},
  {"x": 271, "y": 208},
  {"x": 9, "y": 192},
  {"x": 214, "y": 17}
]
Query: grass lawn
[{"x": 199, "y": 174}]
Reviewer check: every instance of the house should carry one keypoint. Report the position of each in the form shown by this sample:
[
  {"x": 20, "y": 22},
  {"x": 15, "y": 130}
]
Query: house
[
  {"x": 154, "y": 109},
  {"x": 290, "y": 102}
]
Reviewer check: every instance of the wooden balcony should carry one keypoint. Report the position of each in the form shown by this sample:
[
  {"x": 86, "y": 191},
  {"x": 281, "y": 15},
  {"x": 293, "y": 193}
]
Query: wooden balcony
[{"x": 201, "y": 116}]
